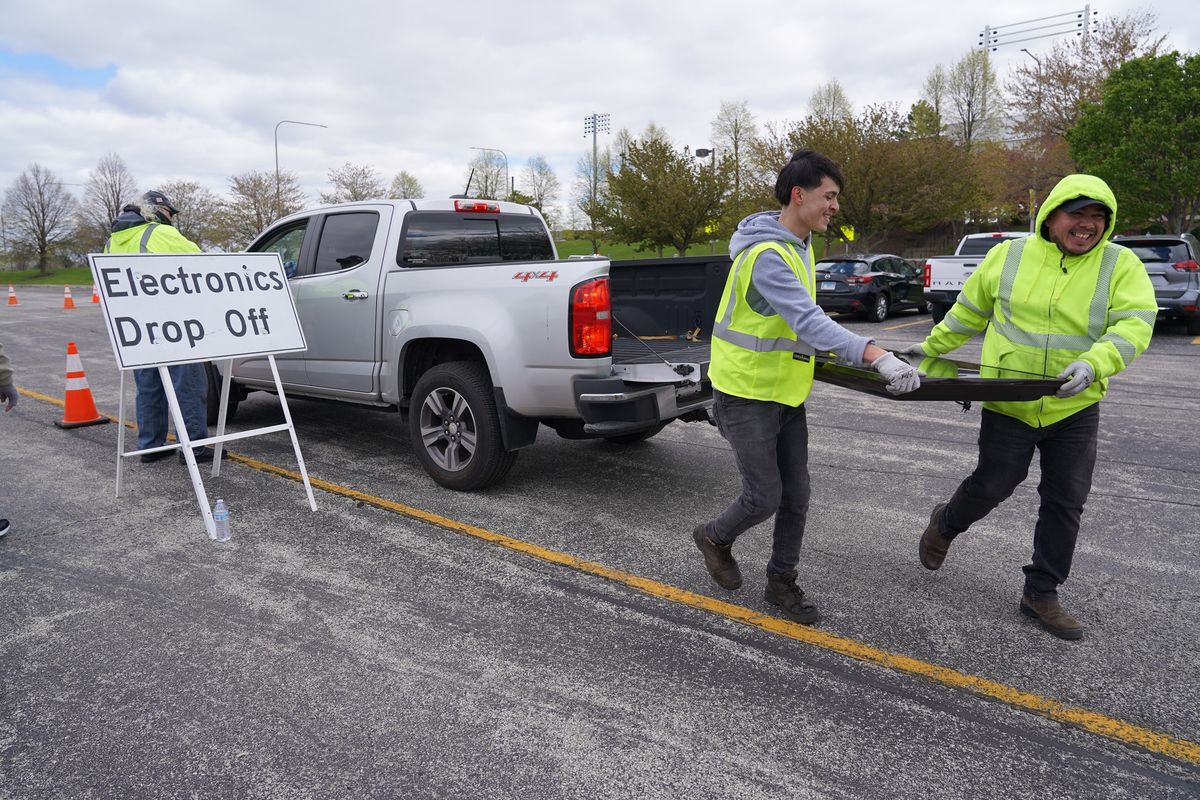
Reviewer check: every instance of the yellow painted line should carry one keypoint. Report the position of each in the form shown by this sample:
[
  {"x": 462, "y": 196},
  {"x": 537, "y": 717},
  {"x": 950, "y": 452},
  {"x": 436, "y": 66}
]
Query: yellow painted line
[
  {"x": 1090, "y": 721},
  {"x": 1196, "y": 340},
  {"x": 907, "y": 325}
]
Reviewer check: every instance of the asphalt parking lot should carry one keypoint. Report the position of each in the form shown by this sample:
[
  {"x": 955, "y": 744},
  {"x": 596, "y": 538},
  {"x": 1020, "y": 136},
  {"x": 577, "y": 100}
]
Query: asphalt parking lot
[{"x": 557, "y": 636}]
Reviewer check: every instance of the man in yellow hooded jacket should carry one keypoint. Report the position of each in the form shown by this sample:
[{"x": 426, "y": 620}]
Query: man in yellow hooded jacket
[{"x": 1066, "y": 303}]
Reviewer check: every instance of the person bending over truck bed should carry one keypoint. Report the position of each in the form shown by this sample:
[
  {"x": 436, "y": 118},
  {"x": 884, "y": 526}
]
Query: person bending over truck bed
[{"x": 767, "y": 330}]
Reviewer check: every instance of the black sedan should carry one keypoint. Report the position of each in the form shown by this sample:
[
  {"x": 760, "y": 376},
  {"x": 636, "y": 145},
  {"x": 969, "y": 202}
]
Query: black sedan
[{"x": 872, "y": 285}]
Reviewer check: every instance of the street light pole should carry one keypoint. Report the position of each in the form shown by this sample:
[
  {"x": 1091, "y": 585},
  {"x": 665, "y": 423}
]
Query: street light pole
[
  {"x": 502, "y": 155},
  {"x": 277, "y": 124}
]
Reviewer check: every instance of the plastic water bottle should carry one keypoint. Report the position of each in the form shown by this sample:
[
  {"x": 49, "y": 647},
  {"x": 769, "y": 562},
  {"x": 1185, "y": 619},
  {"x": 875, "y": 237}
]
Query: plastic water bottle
[{"x": 221, "y": 521}]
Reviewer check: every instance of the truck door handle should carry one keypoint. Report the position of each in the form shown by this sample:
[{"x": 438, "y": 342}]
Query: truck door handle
[{"x": 355, "y": 294}]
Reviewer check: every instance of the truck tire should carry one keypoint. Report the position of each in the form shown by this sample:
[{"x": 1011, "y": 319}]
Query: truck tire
[
  {"x": 938, "y": 311},
  {"x": 1193, "y": 326},
  {"x": 636, "y": 436},
  {"x": 455, "y": 428},
  {"x": 879, "y": 308},
  {"x": 213, "y": 401}
]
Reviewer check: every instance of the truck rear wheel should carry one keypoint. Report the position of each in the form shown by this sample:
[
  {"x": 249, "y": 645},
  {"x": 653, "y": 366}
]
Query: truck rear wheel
[
  {"x": 937, "y": 311},
  {"x": 455, "y": 428}
]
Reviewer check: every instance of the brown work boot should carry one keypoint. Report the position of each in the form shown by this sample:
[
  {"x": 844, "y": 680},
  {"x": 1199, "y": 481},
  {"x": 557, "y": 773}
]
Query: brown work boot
[
  {"x": 933, "y": 545},
  {"x": 718, "y": 560},
  {"x": 782, "y": 591},
  {"x": 1053, "y": 617}
]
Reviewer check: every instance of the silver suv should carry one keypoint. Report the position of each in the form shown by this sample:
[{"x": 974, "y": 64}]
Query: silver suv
[{"x": 1171, "y": 261}]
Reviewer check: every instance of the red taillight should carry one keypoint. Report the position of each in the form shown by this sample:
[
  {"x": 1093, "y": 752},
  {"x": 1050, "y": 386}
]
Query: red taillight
[
  {"x": 928, "y": 273},
  {"x": 1187, "y": 266},
  {"x": 477, "y": 206},
  {"x": 591, "y": 319},
  {"x": 855, "y": 280}
]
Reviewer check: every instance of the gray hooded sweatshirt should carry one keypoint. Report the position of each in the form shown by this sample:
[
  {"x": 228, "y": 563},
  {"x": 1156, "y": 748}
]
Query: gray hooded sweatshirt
[{"x": 774, "y": 288}]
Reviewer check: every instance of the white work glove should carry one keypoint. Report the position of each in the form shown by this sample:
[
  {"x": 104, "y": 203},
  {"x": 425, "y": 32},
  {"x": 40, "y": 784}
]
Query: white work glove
[
  {"x": 913, "y": 350},
  {"x": 8, "y": 396},
  {"x": 1081, "y": 376},
  {"x": 900, "y": 376}
]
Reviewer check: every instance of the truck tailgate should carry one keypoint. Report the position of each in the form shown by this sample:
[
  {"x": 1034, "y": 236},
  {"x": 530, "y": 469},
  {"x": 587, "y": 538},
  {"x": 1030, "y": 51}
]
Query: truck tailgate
[{"x": 660, "y": 360}]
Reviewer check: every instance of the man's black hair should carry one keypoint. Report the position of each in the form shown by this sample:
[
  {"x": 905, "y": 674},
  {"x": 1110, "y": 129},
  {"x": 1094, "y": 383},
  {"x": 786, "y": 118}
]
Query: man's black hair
[{"x": 806, "y": 169}]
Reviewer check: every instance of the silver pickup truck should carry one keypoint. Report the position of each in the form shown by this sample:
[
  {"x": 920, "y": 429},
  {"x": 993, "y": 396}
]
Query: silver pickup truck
[
  {"x": 457, "y": 314},
  {"x": 945, "y": 275}
]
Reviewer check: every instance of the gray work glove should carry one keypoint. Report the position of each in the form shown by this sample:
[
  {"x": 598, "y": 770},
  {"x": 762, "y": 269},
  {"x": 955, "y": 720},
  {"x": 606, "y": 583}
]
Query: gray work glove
[
  {"x": 1081, "y": 376},
  {"x": 901, "y": 377},
  {"x": 8, "y": 396}
]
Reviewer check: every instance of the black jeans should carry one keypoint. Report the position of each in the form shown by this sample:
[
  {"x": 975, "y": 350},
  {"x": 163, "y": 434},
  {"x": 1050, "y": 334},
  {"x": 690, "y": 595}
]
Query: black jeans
[
  {"x": 770, "y": 444},
  {"x": 1068, "y": 454}
]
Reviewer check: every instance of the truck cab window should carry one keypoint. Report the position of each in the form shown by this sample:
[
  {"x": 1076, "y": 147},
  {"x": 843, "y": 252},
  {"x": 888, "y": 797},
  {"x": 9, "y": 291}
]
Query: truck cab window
[
  {"x": 346, "y": 241},
  {"x": 287, "y": 243},
  {"x": 445, "y": 238}
]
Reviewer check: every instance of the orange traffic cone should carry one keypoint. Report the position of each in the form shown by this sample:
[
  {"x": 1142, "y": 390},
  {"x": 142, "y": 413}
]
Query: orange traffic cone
[
  {"x": 67, "y": 301},
  {"x": 80, "y": 409},
  {"x": 12, "y": 296},
  {"x": 95, "y": 294}
]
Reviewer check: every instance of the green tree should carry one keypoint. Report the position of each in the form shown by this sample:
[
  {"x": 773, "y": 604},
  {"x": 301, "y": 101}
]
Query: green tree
[
  {"x": 352, "y": 182},
  {"x": 663, "y": 196},
  {"x": 405, "y": 186},
  {"x": 39, "y": 214},
  {"x": 892, "y": 182},
  {"x": 1143, "y": 138},
  {"x": 923, "y": 120}
]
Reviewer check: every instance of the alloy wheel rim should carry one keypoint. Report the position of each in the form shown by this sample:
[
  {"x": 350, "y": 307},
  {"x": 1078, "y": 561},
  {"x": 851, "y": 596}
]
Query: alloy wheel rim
[{"x": 448, "y": 431}]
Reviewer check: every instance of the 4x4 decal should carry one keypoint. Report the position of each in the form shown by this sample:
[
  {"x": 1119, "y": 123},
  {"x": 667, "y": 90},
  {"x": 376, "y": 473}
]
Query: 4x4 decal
[{"x": 526, "y": 277}]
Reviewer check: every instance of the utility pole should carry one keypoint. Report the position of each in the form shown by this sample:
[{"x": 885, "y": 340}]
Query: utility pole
[
  {"x": 594, "y": 124},
  {"x": 993, "y": 37}
]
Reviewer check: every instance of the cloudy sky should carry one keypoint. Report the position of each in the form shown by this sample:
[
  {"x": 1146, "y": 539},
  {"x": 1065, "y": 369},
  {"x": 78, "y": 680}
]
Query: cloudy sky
[{"x": 193, "y": 91}]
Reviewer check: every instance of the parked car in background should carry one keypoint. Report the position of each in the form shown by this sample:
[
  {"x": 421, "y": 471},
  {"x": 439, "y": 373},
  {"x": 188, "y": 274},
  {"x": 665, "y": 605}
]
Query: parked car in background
[
  {"x": 1171, "y": 262},
  {"x": 872, "y": 285}
]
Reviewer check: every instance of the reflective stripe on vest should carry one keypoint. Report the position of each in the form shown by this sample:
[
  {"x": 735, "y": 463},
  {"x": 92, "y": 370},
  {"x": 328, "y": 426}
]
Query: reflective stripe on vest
[
  {"x": 1097, "y": 309},
  {"x": 748, "y": 341},
  {"x": 146, "y": 234}
]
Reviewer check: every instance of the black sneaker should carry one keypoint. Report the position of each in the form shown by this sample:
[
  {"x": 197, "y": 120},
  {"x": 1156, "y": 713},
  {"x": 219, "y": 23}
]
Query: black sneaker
[
  {"x": 782, "y": 591},
  {"x": 150, "y": 458},
  {"x": 4, "y": 526},
  {"x": 718, "y": 560}
]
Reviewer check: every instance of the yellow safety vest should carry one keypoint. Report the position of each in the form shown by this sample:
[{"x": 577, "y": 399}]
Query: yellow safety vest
[
  {"x": 757, "y": 356},
  {"x": 153, "y": 237}
]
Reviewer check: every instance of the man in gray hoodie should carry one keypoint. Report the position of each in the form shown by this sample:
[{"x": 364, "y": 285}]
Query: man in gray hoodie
[{"x": 767, "y": 331}]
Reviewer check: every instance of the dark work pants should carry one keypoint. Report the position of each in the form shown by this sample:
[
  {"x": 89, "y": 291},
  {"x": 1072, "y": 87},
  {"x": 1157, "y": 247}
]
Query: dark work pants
[
  {"x": 770, "y": 444},
  {"x": 1068, "y": 454}
]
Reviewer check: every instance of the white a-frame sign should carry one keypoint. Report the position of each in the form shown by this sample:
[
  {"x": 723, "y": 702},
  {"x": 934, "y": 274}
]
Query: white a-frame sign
[{"x": 168, "y": 309}]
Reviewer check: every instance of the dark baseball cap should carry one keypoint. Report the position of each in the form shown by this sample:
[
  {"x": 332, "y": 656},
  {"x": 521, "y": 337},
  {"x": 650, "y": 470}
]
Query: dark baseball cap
[
  {"x": 157, "y": 198},
  {"x": 1078, "y": 203}
]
